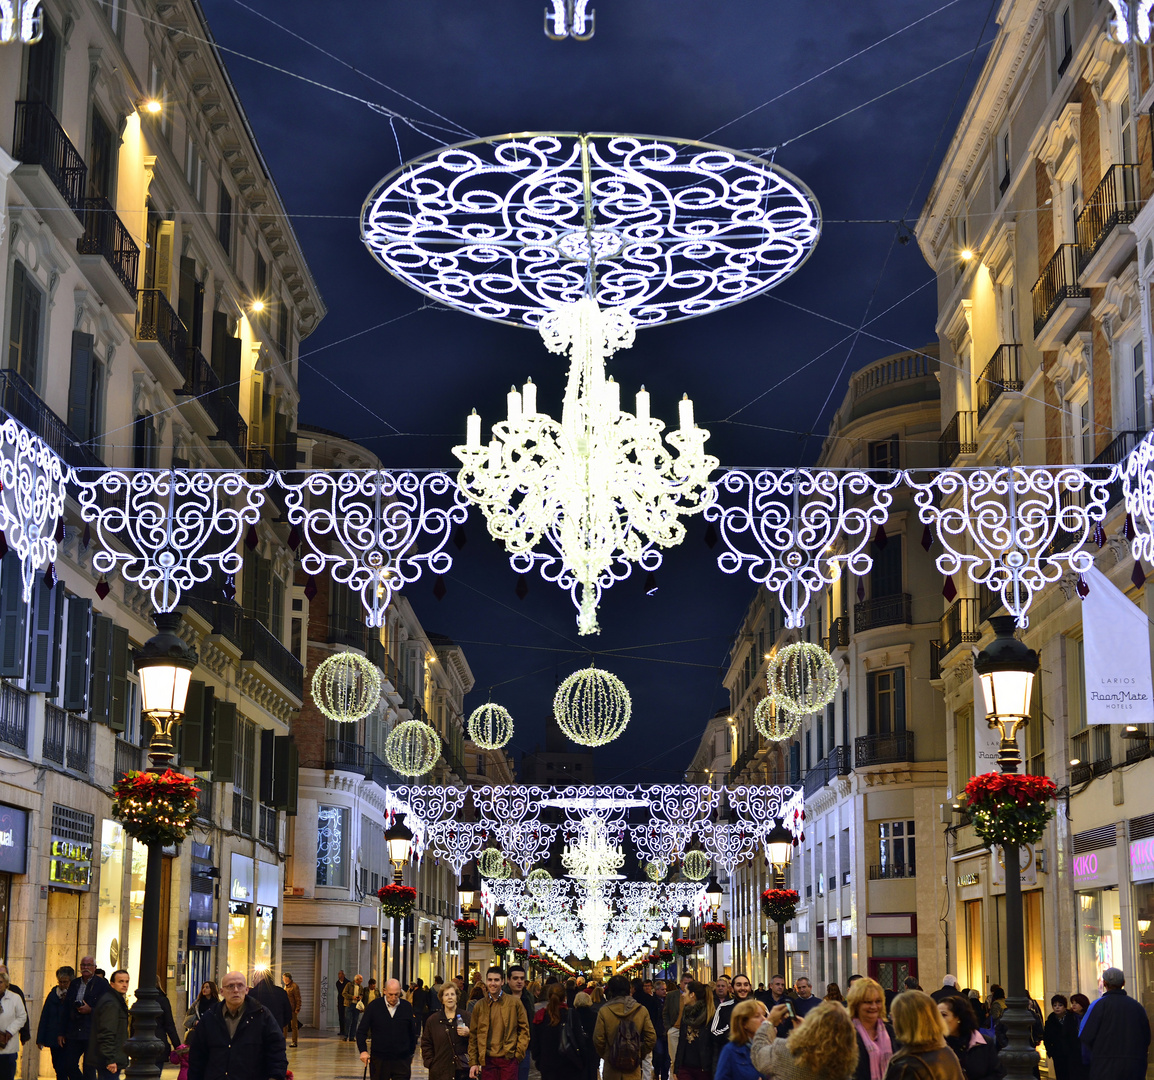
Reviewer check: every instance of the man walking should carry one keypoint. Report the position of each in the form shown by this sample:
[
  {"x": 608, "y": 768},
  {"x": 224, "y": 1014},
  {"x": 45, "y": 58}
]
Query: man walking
[
  {"x": 420, "y": 1001},
  {"x": 106, "y": 1053},
  {"x": 948, "y": 988},
  {"x": 273, "y": 998},
  {"x": 342, "y": 982},
  {"x": 657, "y": 1015},
  {"x": 241, "y": 1038},
  {"x": 81, "y": 999},
  {"x": 351, "y": 996},
  {"x": 52, "y": 1019},
  {"x": 498, "y": 1032},
  {"x": 719, "y": 1027},
  {"x": 1116, "y": 1031},
  {"x": 390, "y": 1024},
  {"x": 623, "y": 1035},
  {"x": 294, "y": 996},
  {"x": 517, "y": 989}
]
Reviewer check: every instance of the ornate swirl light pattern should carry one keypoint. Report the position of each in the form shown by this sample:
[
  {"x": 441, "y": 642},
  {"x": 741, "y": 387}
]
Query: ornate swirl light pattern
[
  {"x": 1132, "y": 19},
  {"x": 490, "y": 726},
  {"x": 375, "y": 519},
  {"x": 346, "y": 687},
  {"x": 599, "y": 487},
  {"x": 592, "y": 707},
  {"x": 803, "y": 678},
  {"x": 22, "y": 21},
  {"x": 1137, "y": 475},
  {"x": 695, "y": 865},
  {"x": 1014, "y": 530},
  {"x": 31, "y": 498},
  {"x": 412, "y": 748},
  {"x": 796, "y": 530},
  {"x": 777, "y": 725},
  {"x": 569, "y": 19},
  {"x": 509, "y": 227}
]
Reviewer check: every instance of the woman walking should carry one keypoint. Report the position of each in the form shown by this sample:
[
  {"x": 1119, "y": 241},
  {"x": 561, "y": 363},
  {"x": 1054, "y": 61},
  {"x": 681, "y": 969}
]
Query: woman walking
[
  {"x": 205, "y": 1000},
  {"x": 445, "y": 1039},
  {"x": 694, "y": 1059},
  {"x": 547, "y": 1027},
  {"x": 876, "y": 1041},
  {"x": 833, "y": 993},
  {"x": 977, "y": 1056},
  {"x": 823, "y": 1046},
  {"x": 924, "y": 1054}
]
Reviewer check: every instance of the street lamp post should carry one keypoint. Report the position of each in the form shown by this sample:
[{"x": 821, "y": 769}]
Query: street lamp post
[
  {"x": 684, "y": 919},
  {"x": 534, "y": 945},
  {"x": 654, "y": 942},
  {"x": 399, "y": 837},
  {"x": 779, "y": 851},
  {"x": 713, "y": 895},
  {"x": 1006, "y": 669},
  {"x": 466, "y": 893},
  {"x": 666, "y": 940},
  {"x": 165, "y": 666}
]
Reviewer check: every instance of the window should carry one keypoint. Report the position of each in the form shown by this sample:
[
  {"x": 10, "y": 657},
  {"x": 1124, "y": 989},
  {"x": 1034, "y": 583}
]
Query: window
[
  {"x": 159, "y": 92},
  {"x": 845, "y": 718},
  {"x": 1126, "y": 139},
  {"x": 820, "y": 738},
  {"x": 808, "y": 750},
  {"x": 887, "y": 701},
  {"x": 1004, "y": 154},
  {"x": 144, "y": 443},
  {"x": 224, "y": 219},
  {"x": 282, "y": 324},
  {"x": 886, "y": 575},
  {"x": 43, "y": 66},
  {"x": 24, "y": 325},
  {"x": 818, "y": 866},
  {"x": 1065, "y": 40},
  {"x": 1084, "y": 433},
  {"x": 333, "y": 846},
  {"x": 884, "y": 454},
  {"x": 244, "y": 770},
  {"x": 261, "y": 276},
  {"x": 101, "y": 158},
  {"x": 194, "y": 169},
  {"x": 114, "y": 13},
  {"x": 85, "y": 389},
  {"x": 1141, "y": 407},
  {"x": 830, "y": 725},
  {"x": 896, "y": 857},
  {"x": 964, "y": 750}
]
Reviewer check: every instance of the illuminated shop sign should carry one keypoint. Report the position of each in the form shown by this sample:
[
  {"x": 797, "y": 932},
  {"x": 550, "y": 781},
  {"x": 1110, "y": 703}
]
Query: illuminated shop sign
[
  {"x": 13, "y": 840},
  {"x": 70, "y": 864}
]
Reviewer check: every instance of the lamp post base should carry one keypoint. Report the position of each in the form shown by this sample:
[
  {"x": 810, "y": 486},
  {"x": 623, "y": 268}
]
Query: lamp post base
[{"x": 144, "y": 1048}]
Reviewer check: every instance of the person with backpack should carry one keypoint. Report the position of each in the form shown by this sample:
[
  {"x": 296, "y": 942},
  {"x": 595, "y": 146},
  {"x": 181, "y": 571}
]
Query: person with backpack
[
  {"x": 557, "y": 1038},
  {"x": 624, "y": 1033}
]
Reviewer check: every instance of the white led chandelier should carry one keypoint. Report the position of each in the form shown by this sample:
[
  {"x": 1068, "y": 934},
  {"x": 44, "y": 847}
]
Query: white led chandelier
[{"x": 21, "y": 22}]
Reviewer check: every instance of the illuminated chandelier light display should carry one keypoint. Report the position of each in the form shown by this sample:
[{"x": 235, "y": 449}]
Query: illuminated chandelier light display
[
  {"x": 490, "y": 726},
  {"x": 540, "y": 882},
  {"x": 599, "y": 486},
  {"x": 570, "y": 19},
  {"x": 777, "y": 725},
  {"x": 21, "y": 22},
  {"x": 695, "y": 865},
  {"x": 802, "y": 678},
  {"x": 1132, "y": 20},
  {"x": 493, "y": 863},
  {"x": 592, "y": 707},
  {"x": 593, "y": 857},
  {"x": 412, "y": 748},
  {"x": 346, "y": 687}
]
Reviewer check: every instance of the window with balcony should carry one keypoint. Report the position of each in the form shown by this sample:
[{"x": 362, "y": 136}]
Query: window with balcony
[
  {"x": 897, "y": 856},
  {"x": 43, "y": 72},
  {"x": 884, "y": 453},
  {"x": 224, "y": 218},
  {"x": 886, "y": 701},
  {"x": 333, "y": 846},
  {"x": 145, "y": 447},
  {"x": 101, "y": 157},
  {"x": 244, "y": 774},
  {"x": 24, "y": 325},
  {"x": 1083, "y": 430},
  {"x": 85, "y": 389}
]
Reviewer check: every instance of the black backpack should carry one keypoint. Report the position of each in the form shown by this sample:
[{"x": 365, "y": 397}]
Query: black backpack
[
  {"x": 571, "y": 1046},
  {"x": 625, "y": 1050}
]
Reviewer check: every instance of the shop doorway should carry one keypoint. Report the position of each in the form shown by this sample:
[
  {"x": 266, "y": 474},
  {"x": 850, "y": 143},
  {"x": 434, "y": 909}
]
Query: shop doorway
[{"x": 892, "y": 971}]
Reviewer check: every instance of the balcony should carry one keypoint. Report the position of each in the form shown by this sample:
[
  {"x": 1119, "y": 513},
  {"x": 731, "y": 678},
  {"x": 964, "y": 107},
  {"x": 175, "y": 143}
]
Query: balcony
[
  {"x": 960, "y": 624},
  {"x": 935, "y": 659},
  {"x": 347, "y": 630},
  {"x": 744, "y": 758},
  {"x": 268, "y": 831},
  {"x": 346, "y": 756},
  {"x": 1060, "y": 300},
  {"x": 839, "y": 632},
  {"x": 161, "y": 336},
  {"x": 129, "y": 758},
  {"x": 892, "y": 871},
  {"x": 381, "y": 775},
  {"x": 259, "y": 645},
  {"x": 957, "y": 439},
  {"x": 894, "y": 381},
  {"x": 456, "y": 765},
  {"x": 51, "y": 170},
  {"x": 108, "y": 256},
  {"x": 67, "y": 739},
  {"x": 1115, "y": 454},
  {"x": 224, "y": 616},
  {"x": 1105, "y": 238},
  {"x": 241, "y": 814},
  {"x": 14, "y": 717},
  {"x": 24, "y": 405},
  {"x": 883, "y": 749},
  {"x": 835, "y": 763},
  {"x": 205, "y": 801},
  {"x": 230, "y": 428},
  {"x": 881, "y": 611},
  {"x": 1002, "y": 375}
]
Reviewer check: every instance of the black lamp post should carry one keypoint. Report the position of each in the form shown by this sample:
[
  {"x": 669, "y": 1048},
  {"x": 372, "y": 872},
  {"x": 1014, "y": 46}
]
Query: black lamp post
[
  {"x": 399, "y": 837},
  {"x": 667, "y": 941},
  {"x": 779, "y": 852},
  {"x": 467, "y": 894},
  {"x": 534, "y": 945},
  {"x": 713, "y": 896},
  {"x": 1006, "y": 669},
  {"x": 165, "y": 667},
  {"x": 684, "y": 920}
]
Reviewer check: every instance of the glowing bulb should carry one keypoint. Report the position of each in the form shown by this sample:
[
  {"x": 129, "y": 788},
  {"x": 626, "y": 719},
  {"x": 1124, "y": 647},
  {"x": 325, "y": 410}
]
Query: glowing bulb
[
  {"x": 152, "y": 106},
  {"x": 967, "y": 254},
  {"x": 257, "y": 307}
]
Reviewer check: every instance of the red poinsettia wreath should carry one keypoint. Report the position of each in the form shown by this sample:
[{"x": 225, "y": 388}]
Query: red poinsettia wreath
[
  {"x": 685, "y": 945},
  {"x": 397, "y": 900},
  {"x": 780, "y": 905},
  {"x": 467, "y": 929},
  {"x": 1010, "y": 808},
  {"x": 155, "y": 808},
  {"x": 521, "y": 954},
  {"x": 665, "y": 954},
  {"x": 500, "y": 945},
  {"x": 714, "y": 932}
]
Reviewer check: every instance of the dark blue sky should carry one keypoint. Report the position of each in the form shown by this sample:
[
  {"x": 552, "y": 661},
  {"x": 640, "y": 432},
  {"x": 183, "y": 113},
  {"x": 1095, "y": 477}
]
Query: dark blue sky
[{"x": 762, "y": 374}]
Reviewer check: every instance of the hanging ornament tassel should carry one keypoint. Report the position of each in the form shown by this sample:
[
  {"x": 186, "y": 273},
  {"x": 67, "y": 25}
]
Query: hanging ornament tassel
[
  {"x": 60, "y": 531},
  {"x": 251, "y": 539},
  {"x": 103, "y": 588},
  {"x": 880, "y": 538},
  {"x": 1139, "y": 575},
  {"x": 860, "y": 591},
  {"x": 311, "y": 588},
  {"x": 229, "y": 588},
  {"x": 711, "y": 536},
  {"x": 1083, "y": 587},
  {"x": 1099, "y": 535},
  {"x": 651, "y": 584},
  {"x": 927, "y": 538},
  {"x": 50, "y": 577},
  {"x": 86, "y": 537},
  {"x": 522, "y": 589},
  {"x": 3, "y": 544},
  {"x": 950, "y": 590},
  {"x": 1128, "y": 528},
  {"x": 294, "y": 538},
  {"x": 460, "y": 539},
  {"x": 439, "y": 589}
]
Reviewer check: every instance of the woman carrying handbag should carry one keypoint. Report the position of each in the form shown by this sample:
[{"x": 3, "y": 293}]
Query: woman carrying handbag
[{"x": 445, "y": 1040}]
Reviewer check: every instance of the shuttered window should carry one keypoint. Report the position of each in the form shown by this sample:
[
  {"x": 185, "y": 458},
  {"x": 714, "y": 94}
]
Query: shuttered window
[
  {"x": 118, "y": 680},
  {"x": 145, "y": 448},
  {"x": 44, "y": 639},
  {"x": 13, "y": 618},
  {"x": 196, "y": 727},
  {"x": 224, "y": 740},
  {"x": 24, "y": 325},
  {"x": 100, "y": 692},
  {"x": 78, "y": 654},
  {"x": 85, "y": 389}
]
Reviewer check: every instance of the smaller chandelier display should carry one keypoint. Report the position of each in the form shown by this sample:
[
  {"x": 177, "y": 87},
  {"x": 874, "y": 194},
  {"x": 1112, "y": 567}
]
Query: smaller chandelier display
[
  {"x": 695, "y": 865},
  {"x": 569, "y": 19},
  {"x": 493, "y": 864},
  {"x": 802, "y": 678},
  {"x": 539, "y": 882},
  {"x": 599, "y": 485},
  {"x": 592, "y": 707},
  {"x": 412, "y": 748},
  {"x": 775, "y": 724},
  {"x": 490, "y": 726},
  {"x": 594, "y": 856},
  {"x": 346, "y": 687},
  {"x": 655, "y": 871},
  {"x": 22, "y": 22}
]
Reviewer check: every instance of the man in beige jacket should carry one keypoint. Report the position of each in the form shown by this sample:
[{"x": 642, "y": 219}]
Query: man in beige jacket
[
  {"x": 498, "y": 1032},
  {"x": 621, "y": 1008}
]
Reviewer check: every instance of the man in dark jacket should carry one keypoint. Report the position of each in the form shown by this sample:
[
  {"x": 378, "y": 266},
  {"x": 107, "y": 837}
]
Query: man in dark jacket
[
  {"x": 79, "y": 1003},
  {"x": 106, "y": 1054},
  {"x": 52, "y": 1019},
  {"x": 742, "y": 990},
  {"x": 238, "y": 1038},
  {"x": 273, "y": 997},
  {"x": 342, "y": 982},
  {"x": 1116, "y": 1031},
  {"x": 948, "y": 989},
  {"x": 420, "y": 1004},
  {"x": 515, "y": 986},
  {"x": 390, "y": 1024}
]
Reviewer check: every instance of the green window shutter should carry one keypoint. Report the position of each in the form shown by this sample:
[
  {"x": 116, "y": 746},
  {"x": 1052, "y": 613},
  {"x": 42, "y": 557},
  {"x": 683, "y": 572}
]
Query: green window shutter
[
  {"x": 195, "y": 726},
  {"x": 294, "y": 768},
  {"x": 900, "y": 699},
  {"x": 118, "y": 706},
  {"x": 263, "y": 589},
  {"x": 872, "y": 703},
  {"x": 282, "y": 748},
  {"x": 78, "y": 654},
  {"x": 44, "y": 639},
  {"x": 100, "y": 695},
  {"x": 230, "y": 377},
  {"x": 266, "y": 764},
  {"x": 224, "y": 741},
  {"x": 13, "y": 618},
  {"x": 80, "y": 418}
]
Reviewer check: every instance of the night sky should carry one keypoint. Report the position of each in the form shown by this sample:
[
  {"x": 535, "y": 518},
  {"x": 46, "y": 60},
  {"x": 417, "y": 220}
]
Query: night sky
[{"x": 860, "y": 98}]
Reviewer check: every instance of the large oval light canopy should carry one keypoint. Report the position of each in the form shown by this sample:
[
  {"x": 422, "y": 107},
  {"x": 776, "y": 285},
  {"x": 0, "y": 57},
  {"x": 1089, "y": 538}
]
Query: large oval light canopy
[{"x": 164, "y": 666}]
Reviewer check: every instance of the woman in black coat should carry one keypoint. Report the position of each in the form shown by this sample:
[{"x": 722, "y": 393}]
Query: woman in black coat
[
  {"x": 547, "y": 1026},
  {"x": 977, "y": 1056},
  {"x": 587, "y": 1018}
]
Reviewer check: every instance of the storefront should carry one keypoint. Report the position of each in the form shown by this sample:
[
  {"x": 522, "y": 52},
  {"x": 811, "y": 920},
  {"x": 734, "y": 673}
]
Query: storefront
[
  {"x": 1097, "y": 909},
  {"x": 69, "y": 878},
  {"x": 253, "y": 900},
  {"x": 13, "y": 860},
  {"x": 203, "y": 929},
  {"x": 1141, "y": 858}
]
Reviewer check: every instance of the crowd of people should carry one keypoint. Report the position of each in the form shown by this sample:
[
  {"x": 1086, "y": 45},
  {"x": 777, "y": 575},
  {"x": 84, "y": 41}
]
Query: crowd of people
[{"x": 728, "y": 1030}]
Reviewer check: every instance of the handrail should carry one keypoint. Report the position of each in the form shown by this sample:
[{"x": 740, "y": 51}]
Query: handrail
[
  {"x": 105, "y": 235},
  {"x": 1003, "y": 374},
  {"x": 1115, "y": 201},
  {"x": 956, "y": 439},
  {"x": 157, "y": 321},
  {"x": 1058, "y": 281},
  {"x": 40, "y": 140}
]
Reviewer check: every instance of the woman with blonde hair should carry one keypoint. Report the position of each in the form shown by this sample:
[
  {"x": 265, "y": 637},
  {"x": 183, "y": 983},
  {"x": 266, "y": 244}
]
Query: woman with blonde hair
[
  {"x": 745, "y": 1021},
  {"x": 876, "y": 1041},
  {"x": 924, "y": 1054},
  {"x": 820, "y": 1047}
]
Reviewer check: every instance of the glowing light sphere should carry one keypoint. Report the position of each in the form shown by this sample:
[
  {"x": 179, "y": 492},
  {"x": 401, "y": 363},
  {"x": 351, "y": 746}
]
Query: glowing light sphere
[
  {"x": 412, "y": 748},
  {"x": 493, "y": 864},
  {"x": 695, "y": 865},
  {"x": 490, "y": 726},
  {"x": 655, "y": 871},
  {"x": 539, "y": 882},
  {"x": 802, "y": 678},
  {"x": 592, "y": 707},
  {"x": 346, "y": 687},
  {"x": 775, "y": 724}
]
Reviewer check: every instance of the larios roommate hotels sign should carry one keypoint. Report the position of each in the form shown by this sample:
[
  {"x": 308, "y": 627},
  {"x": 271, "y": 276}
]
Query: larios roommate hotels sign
[{"x": 1116, "y": 638}]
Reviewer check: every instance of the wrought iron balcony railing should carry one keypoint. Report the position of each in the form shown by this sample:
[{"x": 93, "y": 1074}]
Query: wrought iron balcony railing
[
  {"x": 128, "y": 758},
  {"x": 40, "y": 140},
  {"x": 156, "y": 321},
  {"x": 960, "y": 624},
  {"x": 883, "y": 749},
  {"x": 23, "y": 404},
  {"x": 1003, "y": 374},
  {"x": 105, "y": 235},
  {"x": 1057, "y": 282},
  {"x": 744, "y": 758},
  {"x": 1115, "y": 201},
  {"x": 348, "y": 756},
  {"x": 1117, "y": 452},
  {"x": 957, "y": 439},
  {"x": 839, "y": 632},
  {"x": 347, "y": 630},
  {"x": 835, "y": 763},
  {"x": 892, "y": 871},
  {"x": 259, "y": 644},
  {"x": 882, "y": 611}
]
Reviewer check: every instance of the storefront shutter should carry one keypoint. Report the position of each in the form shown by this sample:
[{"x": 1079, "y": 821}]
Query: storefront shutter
[
  {"x": 100, "y": 694},
  {"x": 44, "y": 665},
  {"x": 13, "y": 618},
  {"x": 118, "y": 679},
  {"x": 224, "y": 741},
  {"x": 78, "y": 654}
]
